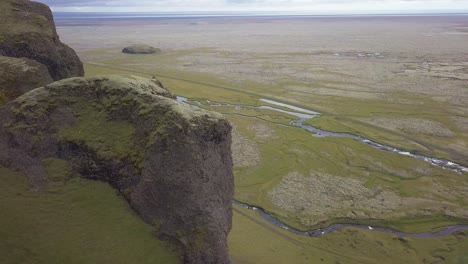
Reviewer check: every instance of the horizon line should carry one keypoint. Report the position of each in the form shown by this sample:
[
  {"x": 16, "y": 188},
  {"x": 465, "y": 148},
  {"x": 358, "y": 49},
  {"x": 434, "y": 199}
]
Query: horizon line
[{"x": 296, "y": 13}]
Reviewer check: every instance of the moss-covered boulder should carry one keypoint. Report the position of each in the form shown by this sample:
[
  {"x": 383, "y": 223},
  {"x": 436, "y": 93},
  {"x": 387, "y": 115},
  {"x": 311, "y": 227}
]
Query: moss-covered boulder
[
  {"x": 27, "y": 30},
  {"x": 140, "y": 49},
  {"x": 20, "y": 75},
  {"x": 170, "y": 162}
]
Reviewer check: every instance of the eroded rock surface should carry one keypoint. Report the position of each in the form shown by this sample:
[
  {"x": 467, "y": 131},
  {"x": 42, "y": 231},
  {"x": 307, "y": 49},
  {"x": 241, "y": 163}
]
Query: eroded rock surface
[
  {"x": 172, "y": 163},
  {"x": 20, "y": 75},
  {"x": 27, "y": 30}
]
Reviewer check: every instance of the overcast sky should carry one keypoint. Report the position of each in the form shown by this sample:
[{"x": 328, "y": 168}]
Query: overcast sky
[{"x": 303, "y": 6}]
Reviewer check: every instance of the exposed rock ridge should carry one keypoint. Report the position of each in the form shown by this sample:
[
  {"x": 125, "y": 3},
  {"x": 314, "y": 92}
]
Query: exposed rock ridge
[
  {"x": 27, "y": 30},
  {"x": 172, "y": 163}
]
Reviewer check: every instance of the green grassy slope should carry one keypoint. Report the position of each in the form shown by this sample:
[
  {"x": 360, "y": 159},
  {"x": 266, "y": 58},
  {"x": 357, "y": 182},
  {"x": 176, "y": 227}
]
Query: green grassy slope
[{"x": 72, "y": 221}]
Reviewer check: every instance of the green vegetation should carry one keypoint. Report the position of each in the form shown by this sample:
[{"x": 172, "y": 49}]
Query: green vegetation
[
  {"x": 253, "y": 240},
  {"x": 57, "y": 170},
  {"x": 408, "y": 184},
  {"x": 338, "y": 124},
  {"x": 385, "y": 189},
  {"x": 3, "y": 98},
  {"x": 198, "y": 237},
  {"x": 20, "y": 75},
  {"x": 404, "y": 183},
  {"x": 78, "y": 221},
  {"x": 344, "y": 98},
  {"x": 109, "y": 138},
  {"x": 12, "y": 23}
]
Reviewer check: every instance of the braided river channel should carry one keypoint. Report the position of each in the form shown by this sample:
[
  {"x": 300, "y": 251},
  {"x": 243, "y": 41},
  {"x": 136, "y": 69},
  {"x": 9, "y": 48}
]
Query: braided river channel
[{"x": 305, "y": 114}]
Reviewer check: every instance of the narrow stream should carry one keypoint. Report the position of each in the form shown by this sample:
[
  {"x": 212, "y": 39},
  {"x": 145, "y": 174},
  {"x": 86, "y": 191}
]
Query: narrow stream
[
  {"x": 445, "y": 231},
  {"x": 445, "y": 164},
  {"x": 303, "y": 115}
]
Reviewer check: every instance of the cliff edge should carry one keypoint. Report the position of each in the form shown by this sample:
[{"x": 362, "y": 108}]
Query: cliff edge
[
  {"x": 27, "y": 30},
  {"x": 170, "y": 162},
  {"x": 20, "y": 75}
]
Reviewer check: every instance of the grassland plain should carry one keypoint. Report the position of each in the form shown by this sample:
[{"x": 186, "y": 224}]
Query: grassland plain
[
  {"x": 416, "y": 197},
  {"x": 253, "y": 240},
  {"x": 397, "y": 81},
  {"x": 439, "y": 132},
  {"x": 294, "y": 150},
  {"x": 395, "y": 117}
]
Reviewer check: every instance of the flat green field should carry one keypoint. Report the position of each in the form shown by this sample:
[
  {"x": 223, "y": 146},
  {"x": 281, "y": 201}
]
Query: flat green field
[{"x": 253, "y": 240}]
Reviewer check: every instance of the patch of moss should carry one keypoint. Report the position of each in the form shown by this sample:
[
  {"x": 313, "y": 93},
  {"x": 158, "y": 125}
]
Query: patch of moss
[
  {"x": 180, "y": 233},
  {"x": 3, "y": 98},
  {"x": 199, "y": 236},
  {"x": 111, "y": 139},
  {"x": 57, "y": 170},
  {"x": 13, "y": 21},
  {"x": 33, "y": 130},
  {"x": 126, "y": 192},
  {"x": 40, "y": 21},
  {"x": 156, "y": 224}
]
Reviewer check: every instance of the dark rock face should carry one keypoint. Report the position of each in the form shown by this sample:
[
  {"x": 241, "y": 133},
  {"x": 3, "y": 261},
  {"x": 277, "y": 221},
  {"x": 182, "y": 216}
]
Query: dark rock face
[
  {"x": 27, "y": 30},
  {"x": 172, "y": 163},
  {"x": 20, "y": 75},
  {"x": 140, "y": 49}
]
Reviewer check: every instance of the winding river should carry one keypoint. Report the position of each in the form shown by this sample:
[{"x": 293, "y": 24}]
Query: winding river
[
  {"x": 442, "y": 163},
  {"x": 444, "y": 231},
  {"x": 305, "y": 114}
]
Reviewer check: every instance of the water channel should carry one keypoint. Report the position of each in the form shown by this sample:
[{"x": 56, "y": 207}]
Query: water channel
[{"x": 305, "y": 114}]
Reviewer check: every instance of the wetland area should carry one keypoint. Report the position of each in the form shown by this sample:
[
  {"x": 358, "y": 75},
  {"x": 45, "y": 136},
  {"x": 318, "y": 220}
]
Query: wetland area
[{"x": 345, "y": 124}]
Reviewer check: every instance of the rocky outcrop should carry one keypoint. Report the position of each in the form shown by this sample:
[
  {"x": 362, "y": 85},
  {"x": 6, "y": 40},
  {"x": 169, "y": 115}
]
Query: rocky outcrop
[
  {"x": 170, "y": 162},
  {"x": 20, "y": 75},
  {"x": 27, "y": 30},
  {"x": 141, "y": 49}
]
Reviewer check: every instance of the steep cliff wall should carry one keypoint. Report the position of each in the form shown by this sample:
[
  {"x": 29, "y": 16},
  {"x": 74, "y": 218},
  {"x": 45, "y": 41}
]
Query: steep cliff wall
[
  {"x": 172, "y": 163},
  {"x": 27, "y": 30}
]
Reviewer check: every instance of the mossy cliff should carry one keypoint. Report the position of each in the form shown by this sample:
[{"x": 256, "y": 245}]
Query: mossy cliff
[
  {"x": 170, "y": 162},
  {"x": 27, "y": 30},
  {"x": 20, "y": 75}
]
